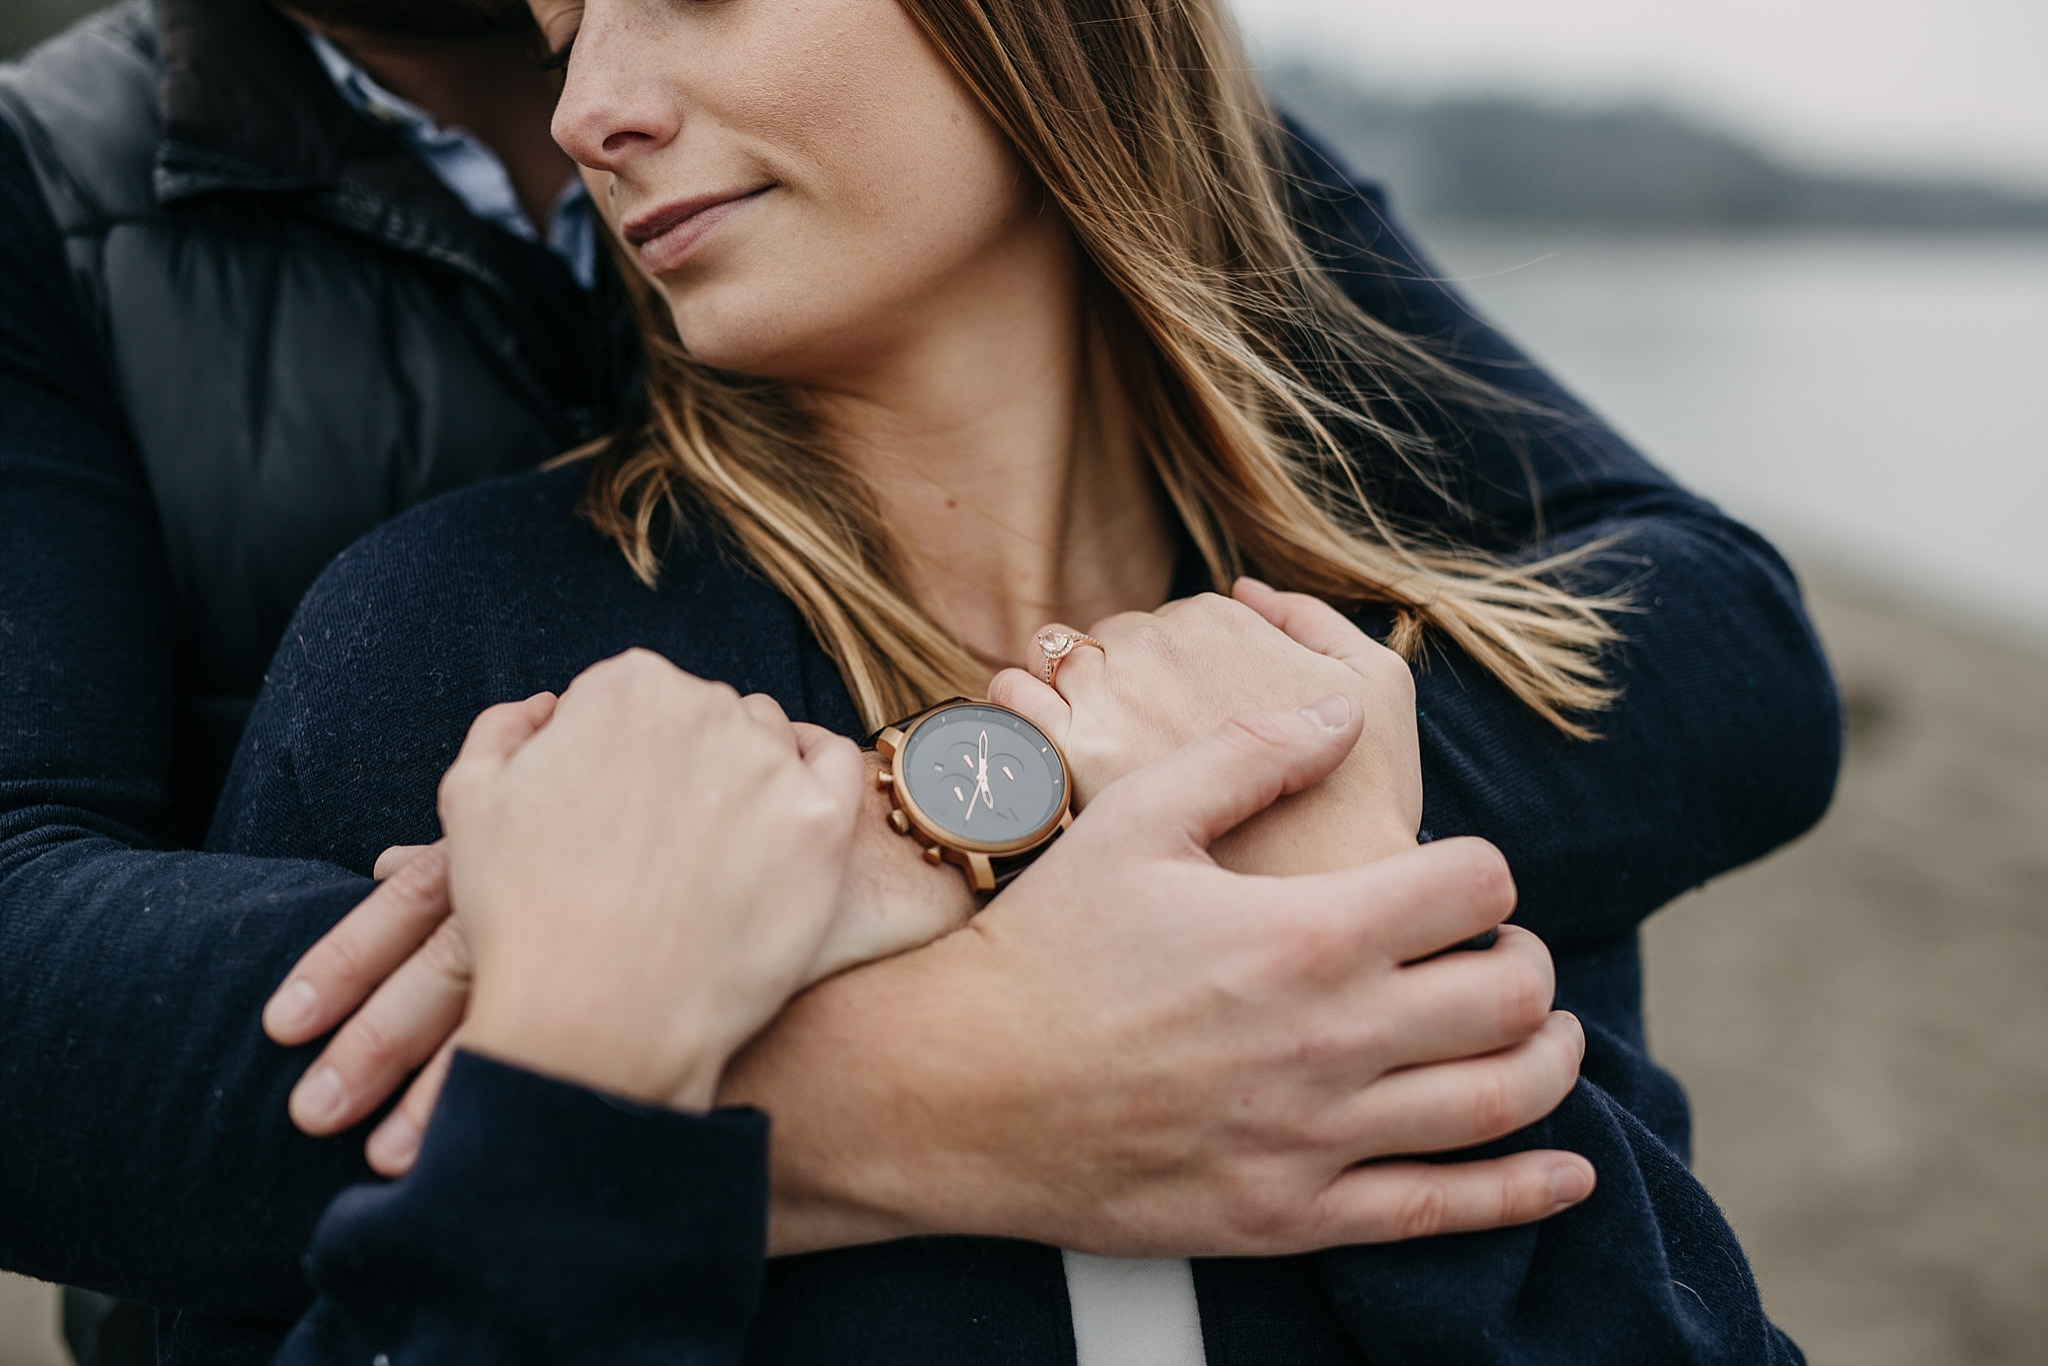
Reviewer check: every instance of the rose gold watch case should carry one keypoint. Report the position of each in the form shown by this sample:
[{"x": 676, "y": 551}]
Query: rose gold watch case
[{"x": 974, "y": 857}]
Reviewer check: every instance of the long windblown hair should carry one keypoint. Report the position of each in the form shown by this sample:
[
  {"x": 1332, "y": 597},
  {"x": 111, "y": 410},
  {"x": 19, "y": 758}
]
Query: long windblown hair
[{"x": 1267, "y": 402}]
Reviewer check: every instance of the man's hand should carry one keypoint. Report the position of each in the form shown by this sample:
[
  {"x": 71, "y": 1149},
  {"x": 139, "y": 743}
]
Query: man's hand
[
  {"x": 1134, "y": 1051},
  {"x": 1166, "y": 677}
]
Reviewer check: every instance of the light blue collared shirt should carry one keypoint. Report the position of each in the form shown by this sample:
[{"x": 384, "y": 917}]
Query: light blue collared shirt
[{"x": 470, "y": 170}]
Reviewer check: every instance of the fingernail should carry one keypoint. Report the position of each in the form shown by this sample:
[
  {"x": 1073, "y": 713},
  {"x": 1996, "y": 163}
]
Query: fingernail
[
  {"x": 320, "y": 1097},
  {"x": 1568, "y": 1184},
  {"x": 396, "y": 1142},
  {"x": 1332, "y": 713},
  {"x": 292, "y": 1008},
  {"x": 1256, "y": 583}
]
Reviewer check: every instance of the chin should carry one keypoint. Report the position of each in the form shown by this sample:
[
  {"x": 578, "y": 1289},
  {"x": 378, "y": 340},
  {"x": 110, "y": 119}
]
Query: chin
[{"x": 778, "y": 334}]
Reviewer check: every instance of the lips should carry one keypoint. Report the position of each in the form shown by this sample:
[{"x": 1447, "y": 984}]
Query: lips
[{"x": 667, "y": 236}]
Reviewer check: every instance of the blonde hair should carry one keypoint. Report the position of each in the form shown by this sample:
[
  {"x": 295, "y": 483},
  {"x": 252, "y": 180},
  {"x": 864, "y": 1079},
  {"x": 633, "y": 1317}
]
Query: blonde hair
[{"x": 1255, "y": 386}]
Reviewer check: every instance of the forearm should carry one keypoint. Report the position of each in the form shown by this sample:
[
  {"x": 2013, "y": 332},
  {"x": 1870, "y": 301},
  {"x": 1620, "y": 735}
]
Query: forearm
[
  {"x": 146, "y": 1150},
  {"x": 865, "y": 1075},
  {"x": 1724, "y": 743},
  {"x": 546, "y": 1223}
]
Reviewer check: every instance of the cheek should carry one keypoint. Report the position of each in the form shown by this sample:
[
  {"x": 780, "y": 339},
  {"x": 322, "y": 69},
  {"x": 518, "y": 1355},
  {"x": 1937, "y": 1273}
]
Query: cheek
[
  {"x": 896, "y": 221},
  {"x": 896, "y": 185}
]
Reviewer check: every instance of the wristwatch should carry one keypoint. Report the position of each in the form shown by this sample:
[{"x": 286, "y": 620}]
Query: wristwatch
[{"x": 977, "y": 785}]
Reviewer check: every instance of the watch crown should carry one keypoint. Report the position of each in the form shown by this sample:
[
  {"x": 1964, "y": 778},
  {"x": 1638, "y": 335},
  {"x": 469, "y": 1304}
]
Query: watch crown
[
  {"x": 933, "y": 856},
  {"x": 899, "y": 822}
]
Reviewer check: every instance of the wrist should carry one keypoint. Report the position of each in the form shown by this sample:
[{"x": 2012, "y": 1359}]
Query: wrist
[
  {"x": 654, "y": 1062},
  {"x": 873, "y": 1079}
]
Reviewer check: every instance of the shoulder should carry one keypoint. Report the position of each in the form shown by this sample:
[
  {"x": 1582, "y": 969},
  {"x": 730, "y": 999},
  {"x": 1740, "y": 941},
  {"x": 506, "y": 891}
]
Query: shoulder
[
  {"x": 84, "y": 105},
  {"x": 491, "y": 585},
  {"x": 475, "y": 598},
  {"x": 479, "y": 597}
]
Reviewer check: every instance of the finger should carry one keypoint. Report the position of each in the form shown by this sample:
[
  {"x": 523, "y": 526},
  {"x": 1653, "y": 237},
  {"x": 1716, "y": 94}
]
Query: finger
[
  {"x": 1420, "y": 901},
  {"x": 496, "y": 735},
  {"x": 767, "y": 713},
  {"x": 1034, "y": 701},
  {"x": 348, "y": 962},
  {"x": 1081, "y": 668},
  {"x": 396, "y": 1141},
  {"x": 1462, "y": 1005},
  {"x": 1311, "y": 622},
  {"x": 1387, "y": 1202},
  {"x": 1448, "y": 1106},
  {"x": 1216, "y": 782},
  {"x": 398, "y": 1028},
  {"x": 394, "y": 858}
]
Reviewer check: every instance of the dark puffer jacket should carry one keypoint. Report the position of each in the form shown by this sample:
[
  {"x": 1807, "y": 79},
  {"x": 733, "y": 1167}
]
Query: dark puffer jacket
[{"x": 303, "y": 329}]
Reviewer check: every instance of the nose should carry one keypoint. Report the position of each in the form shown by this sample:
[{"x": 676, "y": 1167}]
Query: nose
[{"x": 614, "y": 104}]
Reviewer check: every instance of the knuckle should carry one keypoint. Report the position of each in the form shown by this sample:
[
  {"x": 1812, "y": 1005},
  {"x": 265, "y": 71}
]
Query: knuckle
[
  {"x": 422, "y": 879},
  {"x": 1496, "y": 1108},
  {"x": 339, "y": 957},
  {"x": 1305, "y": 946},
  {"x": 1483, "y": 873},
  {"x": 371, "y": 1042},
  {"x": 1256, "y": 735},
  {"x": 446, "y": 953},
  {"x": 1259, "y": 1222},
  {"x": 1422, "y": 1210},
  {"x": 1003, "y": 688},
  {"x": 1390, "y": 672},
  {"x": 1525, "y": 996}
]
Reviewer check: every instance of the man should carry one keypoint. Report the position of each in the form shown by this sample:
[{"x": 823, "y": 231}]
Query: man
[{"x": 260, "y": 295}]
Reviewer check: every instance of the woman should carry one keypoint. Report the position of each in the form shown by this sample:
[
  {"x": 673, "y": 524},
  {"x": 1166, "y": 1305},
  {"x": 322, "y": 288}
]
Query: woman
[{"x": 967, "y": 318}]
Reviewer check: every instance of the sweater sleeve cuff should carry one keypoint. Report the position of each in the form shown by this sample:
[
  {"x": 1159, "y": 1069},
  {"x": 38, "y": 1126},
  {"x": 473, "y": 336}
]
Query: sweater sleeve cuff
[{"x": 547, "y": 1222}]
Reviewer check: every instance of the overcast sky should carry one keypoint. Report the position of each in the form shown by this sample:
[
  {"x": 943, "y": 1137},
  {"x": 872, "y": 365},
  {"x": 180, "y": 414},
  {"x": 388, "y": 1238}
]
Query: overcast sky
[{"x": 1955, "y": 86}]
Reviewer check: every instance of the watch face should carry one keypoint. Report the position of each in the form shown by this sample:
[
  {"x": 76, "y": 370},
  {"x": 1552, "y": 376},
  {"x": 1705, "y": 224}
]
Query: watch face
[{"x": 984, "y": 775}]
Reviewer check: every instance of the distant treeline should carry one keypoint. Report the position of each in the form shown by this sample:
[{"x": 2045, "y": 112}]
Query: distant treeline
[{"x": 1633, "y": 166}]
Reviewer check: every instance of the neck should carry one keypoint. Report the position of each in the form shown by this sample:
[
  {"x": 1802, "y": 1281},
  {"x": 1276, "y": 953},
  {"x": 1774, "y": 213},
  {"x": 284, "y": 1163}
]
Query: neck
[
  {"x": 488, "y": 85},
  {"x": 1004, "y": 463}
]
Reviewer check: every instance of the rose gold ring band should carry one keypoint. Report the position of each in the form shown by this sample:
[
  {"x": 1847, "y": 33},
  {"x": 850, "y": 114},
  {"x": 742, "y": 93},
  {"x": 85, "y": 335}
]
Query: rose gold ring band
[{"x": 1056, "y": 643}]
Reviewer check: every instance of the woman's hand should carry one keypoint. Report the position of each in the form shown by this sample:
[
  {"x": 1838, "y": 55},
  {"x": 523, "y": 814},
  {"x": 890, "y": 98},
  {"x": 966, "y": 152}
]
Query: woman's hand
[
  {"x": 393, "y": 977},
  {"x": 1162, "y": 678},
  {"x": 645, "y": 880}
]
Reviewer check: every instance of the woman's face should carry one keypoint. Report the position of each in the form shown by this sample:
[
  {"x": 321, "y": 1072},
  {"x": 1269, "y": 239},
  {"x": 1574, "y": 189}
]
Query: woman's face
[{"x": 806, "y": 180}]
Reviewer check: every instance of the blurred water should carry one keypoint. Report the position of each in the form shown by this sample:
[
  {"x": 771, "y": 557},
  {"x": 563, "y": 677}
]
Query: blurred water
[{"x": 1876, "y": 400}]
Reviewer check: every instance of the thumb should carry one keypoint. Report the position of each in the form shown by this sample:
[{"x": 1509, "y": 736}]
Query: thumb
[{"x": 1214, "y": 784}]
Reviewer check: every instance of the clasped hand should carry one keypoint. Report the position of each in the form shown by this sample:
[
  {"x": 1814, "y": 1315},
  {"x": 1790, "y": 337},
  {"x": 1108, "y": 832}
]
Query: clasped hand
[{"x": 1199, "y": 990}]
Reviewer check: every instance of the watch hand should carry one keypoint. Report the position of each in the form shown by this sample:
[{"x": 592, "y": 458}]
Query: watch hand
[{"x": 981, "y": 789}]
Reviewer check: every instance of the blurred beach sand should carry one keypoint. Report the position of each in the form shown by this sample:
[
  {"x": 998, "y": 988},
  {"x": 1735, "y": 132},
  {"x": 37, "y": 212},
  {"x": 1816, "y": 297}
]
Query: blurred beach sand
[{"x": 1861, "y": 1019}]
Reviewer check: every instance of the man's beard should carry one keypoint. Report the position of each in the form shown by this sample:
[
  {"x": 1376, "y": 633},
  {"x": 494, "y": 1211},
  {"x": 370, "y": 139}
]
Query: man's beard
[{"x": 418, "y": 18}]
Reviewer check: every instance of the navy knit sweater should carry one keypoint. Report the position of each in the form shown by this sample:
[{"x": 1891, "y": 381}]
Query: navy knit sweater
[{"x": 144, "y": 1147}]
